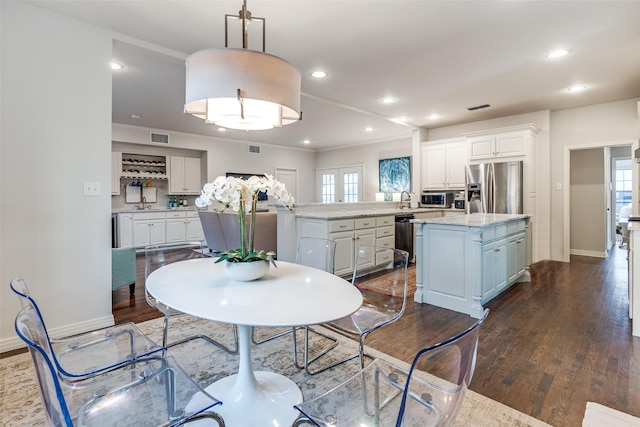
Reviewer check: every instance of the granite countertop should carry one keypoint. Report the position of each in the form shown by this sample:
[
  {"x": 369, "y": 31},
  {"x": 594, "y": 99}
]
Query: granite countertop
[
  {"x": 369, "y": 212},
  {"x": 472, "y": 220},
  {"x": 134, "y": 210}
]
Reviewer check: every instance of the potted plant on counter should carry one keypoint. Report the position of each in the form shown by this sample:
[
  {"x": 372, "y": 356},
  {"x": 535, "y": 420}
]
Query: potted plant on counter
[{"x": 245, "y": 263}]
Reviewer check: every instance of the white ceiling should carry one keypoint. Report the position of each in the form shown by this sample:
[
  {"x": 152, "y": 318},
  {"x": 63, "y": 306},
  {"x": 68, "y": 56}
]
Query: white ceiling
[{"x": 432, "y": 56}]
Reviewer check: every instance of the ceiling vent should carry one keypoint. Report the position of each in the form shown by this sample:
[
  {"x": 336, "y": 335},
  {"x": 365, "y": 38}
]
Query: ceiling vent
[
  {"x": 159, "y": 138},
  {"x": 254, "y": 149},
  {"x": 478, "y": 107}
]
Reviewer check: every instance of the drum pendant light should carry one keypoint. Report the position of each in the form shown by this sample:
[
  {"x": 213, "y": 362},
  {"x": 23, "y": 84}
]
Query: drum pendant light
[{"x": 241, "y": 88}]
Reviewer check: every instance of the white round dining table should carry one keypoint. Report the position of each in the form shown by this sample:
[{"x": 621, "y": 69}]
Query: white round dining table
[{"x": 289, "y": 295}]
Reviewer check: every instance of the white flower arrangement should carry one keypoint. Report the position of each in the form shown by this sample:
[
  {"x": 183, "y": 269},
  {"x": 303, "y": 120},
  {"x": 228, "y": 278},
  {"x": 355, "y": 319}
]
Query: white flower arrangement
[{"x": 241, "y": 196}]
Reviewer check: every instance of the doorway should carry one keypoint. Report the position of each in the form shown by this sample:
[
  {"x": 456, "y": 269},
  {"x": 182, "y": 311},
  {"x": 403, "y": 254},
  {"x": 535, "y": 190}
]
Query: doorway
[
  {"x": 289, "y": 177},
  {"x": 585, "y": 210},
  {"x": 621, "y": 190}
]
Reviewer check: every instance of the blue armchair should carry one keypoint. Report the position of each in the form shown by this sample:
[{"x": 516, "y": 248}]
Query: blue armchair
[{"x": 123, "y": 269}]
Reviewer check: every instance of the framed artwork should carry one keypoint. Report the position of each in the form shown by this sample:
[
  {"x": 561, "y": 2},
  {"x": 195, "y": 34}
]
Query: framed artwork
[{"x": 395, "y": 176}]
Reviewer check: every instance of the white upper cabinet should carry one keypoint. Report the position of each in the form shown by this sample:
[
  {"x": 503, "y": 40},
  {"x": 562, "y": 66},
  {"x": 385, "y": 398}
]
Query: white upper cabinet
[
  {"x": 498, "y": 143},
  {"x": 116, "y": 170},
  {"x": 433, "y": 168},
  {"x": 184, "y": 175},
  {"x": 443, "y": 164},
  {"x": 457, "y": 160}
]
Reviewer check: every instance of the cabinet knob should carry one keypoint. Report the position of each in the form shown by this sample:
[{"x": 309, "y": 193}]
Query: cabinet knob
[{"x": 496, "y": 250}]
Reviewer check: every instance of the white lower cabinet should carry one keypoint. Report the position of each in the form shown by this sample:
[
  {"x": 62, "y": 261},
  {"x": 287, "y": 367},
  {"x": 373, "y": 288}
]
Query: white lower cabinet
[
  {"x": 345, "y": 245},
  {"x": 349, "y": 234},
  {"x": 148, "y": 232},
  {"x": 194, "y": 227},
  {"x": 154, "y": 228},
  {"x": 125, "y": 230},
  {"x": 517, "y": 254},
  {"x": 184, "y": 226},
  {"x": 365, "y": 237},
  {"x": 176, "y": 227},
  {"x": 494, "y": 273},
  {"x": 348, "y": 243}
]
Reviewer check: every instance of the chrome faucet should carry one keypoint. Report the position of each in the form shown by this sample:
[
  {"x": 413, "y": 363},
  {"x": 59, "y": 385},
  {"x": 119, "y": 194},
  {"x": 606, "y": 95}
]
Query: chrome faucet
[
  {"x": 144, "y": 204},
  {"x": 402, "y": 201}
]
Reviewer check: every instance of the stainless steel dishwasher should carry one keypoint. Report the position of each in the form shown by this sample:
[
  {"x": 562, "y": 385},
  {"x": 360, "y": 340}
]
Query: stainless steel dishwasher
[{"x": 404, "y": 233}]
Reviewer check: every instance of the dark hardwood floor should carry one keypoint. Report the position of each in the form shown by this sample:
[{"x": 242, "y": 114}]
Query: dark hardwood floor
[{"x": 547, "y": 347}]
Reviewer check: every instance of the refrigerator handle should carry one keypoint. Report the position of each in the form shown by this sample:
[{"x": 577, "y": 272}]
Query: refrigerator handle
[{"x": 492, "y": 197}]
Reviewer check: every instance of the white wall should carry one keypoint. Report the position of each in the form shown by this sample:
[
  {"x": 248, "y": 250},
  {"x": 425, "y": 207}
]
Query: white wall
[
  {"x": 588, "y": 225},
  {"x": 231, "y": 156},
  {"x": 368, "y": 155},
  {"x": 608, "y": 124},
  {"x": 56, "y": 134}
]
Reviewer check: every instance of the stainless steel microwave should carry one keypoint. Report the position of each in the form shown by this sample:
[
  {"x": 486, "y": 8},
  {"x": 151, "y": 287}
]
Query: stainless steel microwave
[{"x": 432, "y": 199}]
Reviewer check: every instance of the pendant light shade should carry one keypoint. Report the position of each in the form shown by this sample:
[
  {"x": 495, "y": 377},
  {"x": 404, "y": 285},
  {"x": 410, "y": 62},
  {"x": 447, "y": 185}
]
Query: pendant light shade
[{"x": 242, "y": 88}]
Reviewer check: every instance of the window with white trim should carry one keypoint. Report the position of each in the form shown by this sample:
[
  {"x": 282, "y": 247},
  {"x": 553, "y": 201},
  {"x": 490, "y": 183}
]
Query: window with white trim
[{"x": 340, "y": 184}]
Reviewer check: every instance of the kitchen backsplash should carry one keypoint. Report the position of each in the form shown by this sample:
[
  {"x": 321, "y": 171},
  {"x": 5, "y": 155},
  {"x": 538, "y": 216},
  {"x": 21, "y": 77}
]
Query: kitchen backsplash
[{"x": 161, "y": 195}]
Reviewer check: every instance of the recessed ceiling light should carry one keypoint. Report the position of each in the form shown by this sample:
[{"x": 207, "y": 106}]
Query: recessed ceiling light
[
  {"x": 319, "y": 74},
  {"x": 116, "y": 66},
  {"x": 388, "y": 100},
  {"x": 306, "y": 141},
  {"x": 368, "y": 129},
  {"x": 433, "y": 116},
  {"x": 222, "y": 129},
  {"x": 135, "y": 116},
  {"x": 577, "y": 88},
  {"x": 557, "y": 53}
]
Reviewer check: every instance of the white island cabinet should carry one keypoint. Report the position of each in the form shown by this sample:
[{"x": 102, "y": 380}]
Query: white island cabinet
[
  {"x": 464, "y": 261},
  {"x": 349, "y": 234}
]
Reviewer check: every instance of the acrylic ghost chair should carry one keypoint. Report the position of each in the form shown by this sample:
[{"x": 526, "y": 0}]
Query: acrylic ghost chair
[
  {"x": 428, "y": 394},
  {"x": 317, "y": 253},
  {"x": 88, "y": 354},
  {"x": 150, "y": 391},
  {"x": 157, "y": 256},
  {"x": 381, "y": 275}
]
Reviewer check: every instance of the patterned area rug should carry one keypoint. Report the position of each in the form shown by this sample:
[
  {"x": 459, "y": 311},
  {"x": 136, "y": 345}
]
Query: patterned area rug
[{"x": 21, "y": 405}]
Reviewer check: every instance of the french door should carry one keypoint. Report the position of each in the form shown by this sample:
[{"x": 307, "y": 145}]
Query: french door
[{"x": 340, "y": 184}]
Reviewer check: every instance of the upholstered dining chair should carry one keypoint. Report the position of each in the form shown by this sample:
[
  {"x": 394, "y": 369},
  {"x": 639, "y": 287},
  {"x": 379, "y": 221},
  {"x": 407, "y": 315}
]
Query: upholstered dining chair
[
  {"x": 151, "y": 391},
  {"x": 381, "y": 275},
  {"x": 157, "y": 256},
  {"x": 123, "y": 269},
  {"x": 428, "y": 394},
  {"x": 88, "y": 354}
]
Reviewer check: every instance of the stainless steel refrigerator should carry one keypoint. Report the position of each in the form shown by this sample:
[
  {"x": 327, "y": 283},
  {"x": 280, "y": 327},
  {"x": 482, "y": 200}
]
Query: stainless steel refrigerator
[{"x": 495, "y": 188}]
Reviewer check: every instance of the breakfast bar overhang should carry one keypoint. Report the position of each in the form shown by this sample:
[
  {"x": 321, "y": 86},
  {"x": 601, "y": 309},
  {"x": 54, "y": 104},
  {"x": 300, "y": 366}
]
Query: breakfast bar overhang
[{"x": 464, "y": 261}]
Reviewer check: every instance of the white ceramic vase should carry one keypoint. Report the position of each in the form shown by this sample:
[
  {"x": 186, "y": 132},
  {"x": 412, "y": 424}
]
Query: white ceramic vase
[{"x": 246, "y": 271}]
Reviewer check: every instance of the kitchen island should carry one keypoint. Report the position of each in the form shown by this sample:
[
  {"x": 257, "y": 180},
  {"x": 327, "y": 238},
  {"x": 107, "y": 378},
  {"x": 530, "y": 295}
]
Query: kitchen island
[
  {"x": 464, "y": 261},
  {"x": 348, "y": 224}
]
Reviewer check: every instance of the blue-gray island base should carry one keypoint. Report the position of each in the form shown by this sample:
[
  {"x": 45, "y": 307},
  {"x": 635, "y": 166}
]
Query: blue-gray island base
[{"x": 464, "y": 261}]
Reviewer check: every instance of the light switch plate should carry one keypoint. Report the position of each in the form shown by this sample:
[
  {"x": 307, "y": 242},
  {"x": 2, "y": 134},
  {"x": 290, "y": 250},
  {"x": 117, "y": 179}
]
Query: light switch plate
[{"x": 92, "y": 189}]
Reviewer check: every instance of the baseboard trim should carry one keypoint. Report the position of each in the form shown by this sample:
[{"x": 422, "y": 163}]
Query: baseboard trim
[
  {"x": 14, "y": 343},
  {"x": 588, "y": 253}
]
